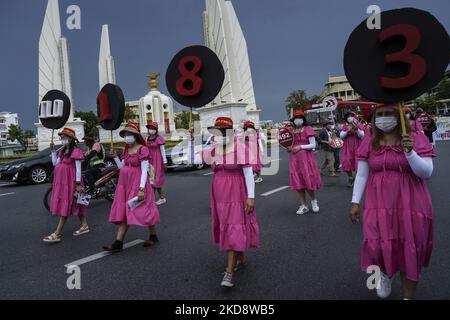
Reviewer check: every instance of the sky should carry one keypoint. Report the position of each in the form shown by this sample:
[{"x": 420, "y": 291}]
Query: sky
[{"x": 293, "y": 44}]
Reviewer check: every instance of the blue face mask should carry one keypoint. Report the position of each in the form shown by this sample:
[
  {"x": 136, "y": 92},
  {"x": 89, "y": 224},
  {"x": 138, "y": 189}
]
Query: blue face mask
[{"x": 299, "y": 122}]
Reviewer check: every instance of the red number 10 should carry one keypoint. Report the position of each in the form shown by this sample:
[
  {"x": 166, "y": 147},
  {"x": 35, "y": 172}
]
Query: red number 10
[{"x": 417, "y": 64}]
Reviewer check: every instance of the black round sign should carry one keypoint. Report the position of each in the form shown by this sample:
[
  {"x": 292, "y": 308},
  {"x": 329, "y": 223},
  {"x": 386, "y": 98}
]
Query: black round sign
[
  {"x": 54, "y": 109},
  {"x": 195, "y": 76},
  {"x": 110, "y": 107},
  {"x": 405, "y": 58}
]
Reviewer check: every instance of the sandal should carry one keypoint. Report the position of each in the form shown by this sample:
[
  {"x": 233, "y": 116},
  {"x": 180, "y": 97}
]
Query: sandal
[
  {"x": 151, "y": 241},
  {"x": 82, "y": 230},
  {"x": 53, "y": 238}
]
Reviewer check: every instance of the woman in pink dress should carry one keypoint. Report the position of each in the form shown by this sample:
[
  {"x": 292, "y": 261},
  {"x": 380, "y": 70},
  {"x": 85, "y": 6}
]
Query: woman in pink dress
[
  {"x": 398, "y": 213},
  {"x": 134, "y": 200},
  {"x": 416, "y": 126},
  {"x": 303, "y": 168},
  {"x": 352, "y": 135},
  {"x": 254, "y": 145},
  {"x": 234, "y": 225},
  {"x": 155, "y": 145},
  {"x": 67, "y": 183}
]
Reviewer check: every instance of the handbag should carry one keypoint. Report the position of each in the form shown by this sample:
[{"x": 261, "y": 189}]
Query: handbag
[{"x": 336, "y": 142}]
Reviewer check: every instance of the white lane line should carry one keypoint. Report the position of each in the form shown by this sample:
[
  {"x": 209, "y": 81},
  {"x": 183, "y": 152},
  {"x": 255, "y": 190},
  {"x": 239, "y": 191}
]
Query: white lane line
[
  {"x": 274, "y": 160},
  {"x": 274, "y": 191},
  {"x": 7, "y": 194},
  {"x": 101, "y": 254},
  {"x": 208, "y": 174}
]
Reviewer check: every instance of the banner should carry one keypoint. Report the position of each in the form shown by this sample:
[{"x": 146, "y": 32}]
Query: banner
[{"x": 443, "y": 129}]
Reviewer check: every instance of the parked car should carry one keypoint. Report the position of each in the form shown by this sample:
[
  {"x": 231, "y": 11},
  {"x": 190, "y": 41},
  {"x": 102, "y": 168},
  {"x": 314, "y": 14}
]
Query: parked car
[
  {"x": 37, "y": 169},
  {"x": 178, "y": 156}
]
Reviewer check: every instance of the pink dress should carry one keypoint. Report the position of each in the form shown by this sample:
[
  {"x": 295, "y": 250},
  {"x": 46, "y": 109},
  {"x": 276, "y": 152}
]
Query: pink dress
[
  {"x": 252, "y": 152},
  {"x": 398, "y": 214},
  {"x": 147, "y": 213},
  {"x": 348, "y": 151},
  {"x": 232, "y": 228},
  {"x": 416, "y": 125},
  {"x": 304, "y": 172},
  {"x": 156, "y": 160},
  {"x": 63, "y": 202},
  {"x": 258, "y": 165}
]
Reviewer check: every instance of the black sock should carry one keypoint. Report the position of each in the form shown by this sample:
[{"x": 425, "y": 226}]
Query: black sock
[
  {"x": 118, "y": 244},
  {"x": 154, "y": 238}
]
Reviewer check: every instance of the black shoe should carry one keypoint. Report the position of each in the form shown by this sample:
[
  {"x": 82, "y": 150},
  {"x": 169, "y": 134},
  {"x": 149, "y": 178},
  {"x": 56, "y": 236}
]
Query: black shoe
[{"x": 117, "y": 246}]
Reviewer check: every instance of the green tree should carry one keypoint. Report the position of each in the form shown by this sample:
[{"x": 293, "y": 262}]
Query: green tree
[
  {"x": 16, "y": 133},
  {"x": 298, "y": 99},
  {"x": 443, "y": 90},
  {"x": 428, "y": 104},
  {"x": 91, "y": 122},
  {"x": 182, "y": 119},
  {"x": 129, "y": 114}
]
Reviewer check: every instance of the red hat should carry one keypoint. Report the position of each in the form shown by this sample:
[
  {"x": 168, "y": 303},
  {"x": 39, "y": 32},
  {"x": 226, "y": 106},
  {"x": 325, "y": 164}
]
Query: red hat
[
  {"x": 222, "y": 123},
  {"x": 152, "y": 124},
  {"x": 298, "y": 113},
  {"x": 132, "y": 127},
  {"x": 407, "y": 109},
  {"x": 249, "y": 124},
  {"x": 68, "y": 133}
]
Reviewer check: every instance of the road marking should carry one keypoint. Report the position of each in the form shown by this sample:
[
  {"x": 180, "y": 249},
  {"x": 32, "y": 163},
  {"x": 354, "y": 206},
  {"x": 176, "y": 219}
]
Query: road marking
[
  {"x": 275, "y": 160},
  {"x": 102, "y": 254},
  {"x": 7, "y": 194},
  {"x": 208, "y": 174},
  {"x": 274, "y": 191}
]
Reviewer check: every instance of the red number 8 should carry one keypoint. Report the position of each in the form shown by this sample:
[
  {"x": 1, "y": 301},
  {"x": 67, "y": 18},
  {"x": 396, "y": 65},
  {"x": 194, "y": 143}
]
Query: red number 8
[
  {"x": 191, "y": 75},
  {"x": 417, "y": 64}
]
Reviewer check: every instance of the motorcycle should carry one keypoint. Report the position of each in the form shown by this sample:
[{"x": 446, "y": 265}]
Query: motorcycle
[{"x": 105, "y": 186}]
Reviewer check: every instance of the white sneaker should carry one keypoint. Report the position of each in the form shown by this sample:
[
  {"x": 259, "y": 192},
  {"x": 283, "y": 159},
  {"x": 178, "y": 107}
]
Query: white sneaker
[
  {"x": 161, "y": 201},
  {"x": 227, "y": 280},
  {"x": 259, "y": 180},
  {"x": 302, "y": 209},
  {"x": 315, "y": 206},
  {"x": 384, "y": 286}
]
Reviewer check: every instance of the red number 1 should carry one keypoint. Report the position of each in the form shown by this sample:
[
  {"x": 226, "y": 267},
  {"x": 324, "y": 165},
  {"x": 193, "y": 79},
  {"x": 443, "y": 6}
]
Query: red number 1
[
  {"x": 103, "y": 103},
  {"x": 417, "y": 64}
]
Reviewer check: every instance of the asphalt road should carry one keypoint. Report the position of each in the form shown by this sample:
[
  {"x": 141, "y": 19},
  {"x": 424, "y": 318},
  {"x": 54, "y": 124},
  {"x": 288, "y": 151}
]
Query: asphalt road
[{"x": 301, "y": 257}]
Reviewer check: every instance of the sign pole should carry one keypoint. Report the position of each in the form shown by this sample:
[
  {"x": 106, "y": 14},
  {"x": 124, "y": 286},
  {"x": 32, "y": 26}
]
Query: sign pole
[
  {"x": 112, "y": 141},
  {"x": 53, "y": 135}
]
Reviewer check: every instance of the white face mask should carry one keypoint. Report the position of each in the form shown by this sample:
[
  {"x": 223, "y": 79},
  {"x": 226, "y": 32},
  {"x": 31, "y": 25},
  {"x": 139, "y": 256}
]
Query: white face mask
[
  {"x": 129, "y": 139},
  {"x": 222, "y": 140},
  {"x": 65, "y": 142},
  {"x": 408, "y": 116},
  {"x": 299, "y": 122},
  {"x": 386, "y": 124},
  {"x": 350, "y": 119},
  {"x": 250, "y": 131},
  {"x": 152, "y": 132}
]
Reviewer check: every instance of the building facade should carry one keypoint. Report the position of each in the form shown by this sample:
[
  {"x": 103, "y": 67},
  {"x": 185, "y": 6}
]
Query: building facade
[
  {"x": 54, "y": 70},
  {"x": 340, "y": 88},
  {"x": 7, "y": 119},
  {"x": 224, "y": 36}
]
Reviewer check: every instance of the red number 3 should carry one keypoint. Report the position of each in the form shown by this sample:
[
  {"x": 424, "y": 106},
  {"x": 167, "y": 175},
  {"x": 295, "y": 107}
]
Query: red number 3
[
  {"x": 417, "y": 64},
  {"x": 189, "y": 76}
]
